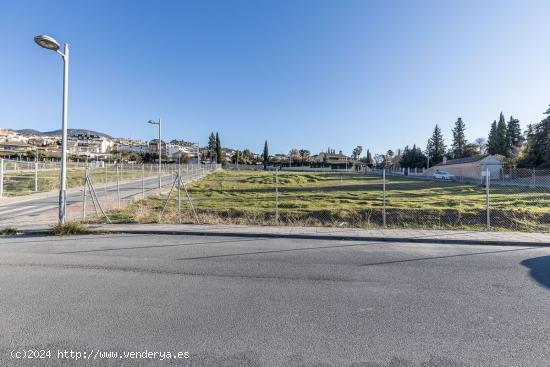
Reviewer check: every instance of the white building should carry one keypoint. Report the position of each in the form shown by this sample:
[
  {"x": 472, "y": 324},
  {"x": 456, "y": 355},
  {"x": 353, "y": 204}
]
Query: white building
[
  {"x": 89, "y": 145},
  {"x": 472, "y": 167}
]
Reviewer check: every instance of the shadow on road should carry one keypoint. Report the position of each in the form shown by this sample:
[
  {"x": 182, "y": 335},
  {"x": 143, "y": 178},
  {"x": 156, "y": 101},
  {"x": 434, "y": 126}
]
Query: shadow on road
[{"x": 540, "y": 269}]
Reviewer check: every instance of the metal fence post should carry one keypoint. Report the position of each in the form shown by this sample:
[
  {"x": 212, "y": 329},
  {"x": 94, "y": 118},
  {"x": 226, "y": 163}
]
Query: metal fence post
[
  {"x": 84, "y": 194},
  {"x": 534, "y": 177},
  {"x": 143, "y": 181},
  {"x": 1, "y": 178},
  {"x": 35, "y": 176},
  {"x": 105, "y": 164},
  {"x": 384, "y": 198},
  {"x": 179, "y": 193},
  {"x": 117, "y": 186},
  {"x": 277, "y": 195},
  {"x": 487, "y": 200}
]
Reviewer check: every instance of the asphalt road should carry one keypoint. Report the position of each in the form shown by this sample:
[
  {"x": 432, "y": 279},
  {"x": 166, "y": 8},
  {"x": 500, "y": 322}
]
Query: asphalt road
[
  {"x": 43, "y": 208},
  {"x": 273, "y": 302}
]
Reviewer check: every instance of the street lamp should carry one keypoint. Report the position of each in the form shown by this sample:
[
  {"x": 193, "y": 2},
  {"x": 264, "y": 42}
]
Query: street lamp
[
  {"x": 159, "y": 123},
  {"x": 50, "y": 43}
]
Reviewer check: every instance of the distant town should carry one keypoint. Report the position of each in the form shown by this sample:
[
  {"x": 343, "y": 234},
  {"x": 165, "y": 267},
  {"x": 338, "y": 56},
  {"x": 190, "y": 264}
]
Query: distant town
[
  {"x": 505, "y": 146},
  {"x": 84, "y": 145}
]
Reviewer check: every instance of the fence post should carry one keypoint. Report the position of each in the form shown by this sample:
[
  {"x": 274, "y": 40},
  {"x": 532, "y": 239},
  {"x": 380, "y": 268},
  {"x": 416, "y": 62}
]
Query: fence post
[
  {"x": 534, "y": 177},
  {"x": 35, "y": 176},
  {"x": 277, "y": 195},
  {"x": 1, "y": 178},
  {"x": 105, "y": 164},
  {"x": 84, "y": 194},
  {"x": 143, "y": 181},
  {"x": 117, "y": 186},
  {"x": 179, "y": 193},
  {"x": 384, "y": 198},
  {"x": 487, "y": 201}
]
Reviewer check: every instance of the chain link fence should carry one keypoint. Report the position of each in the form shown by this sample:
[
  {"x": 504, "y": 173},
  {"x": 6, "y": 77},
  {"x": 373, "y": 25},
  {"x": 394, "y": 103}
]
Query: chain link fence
[
  {"x": 93, "y": 189},
  {"x": 514, "y": 200}
]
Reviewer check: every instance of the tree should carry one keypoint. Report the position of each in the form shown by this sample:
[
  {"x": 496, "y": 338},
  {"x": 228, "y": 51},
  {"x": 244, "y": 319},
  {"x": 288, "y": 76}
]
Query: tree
[
  {"x": 502, "y": 132},
  {"x": 538, "y": 144},
  {"x": 357, "y": 152},
  {"x": 219, "y": 156},
  {"x": 380, "y": 161},
  {"x": 368, "y": 159},
  {"x": 514, "y": 139},
  {"x": 470, "y": 150},
  {"x": 435, "y": 149},
  {"x": 412, "y": 158},
  {"x": 459, "y": 139},
  {"x": 492, "y": 141},
  {"x": 211, "y": 145},
  {"x": 481, "y": 144},
  {"x": 293, "y": 155},
  {"x": 265, "y": 155},
  {"x": 304, "y": 154}
]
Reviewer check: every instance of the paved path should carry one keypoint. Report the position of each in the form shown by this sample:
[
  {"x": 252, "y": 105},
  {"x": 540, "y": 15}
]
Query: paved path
[
  {"x": 400, "y": 235},
  {"x": 254, "y": 302}
]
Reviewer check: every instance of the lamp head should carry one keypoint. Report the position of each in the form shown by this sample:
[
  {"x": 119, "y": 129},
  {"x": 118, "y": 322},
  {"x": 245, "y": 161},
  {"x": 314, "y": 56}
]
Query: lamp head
[{"x": 47, "y": 42}]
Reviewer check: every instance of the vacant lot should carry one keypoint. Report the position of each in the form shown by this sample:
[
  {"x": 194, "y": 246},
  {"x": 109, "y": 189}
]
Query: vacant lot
[{"x": 350, "y": 200}]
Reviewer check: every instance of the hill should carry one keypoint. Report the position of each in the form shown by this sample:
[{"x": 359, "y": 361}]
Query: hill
[{"x": 58, "y": 132}]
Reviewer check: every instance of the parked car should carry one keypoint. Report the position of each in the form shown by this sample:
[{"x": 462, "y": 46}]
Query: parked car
[{"x": 442, "y": 175}]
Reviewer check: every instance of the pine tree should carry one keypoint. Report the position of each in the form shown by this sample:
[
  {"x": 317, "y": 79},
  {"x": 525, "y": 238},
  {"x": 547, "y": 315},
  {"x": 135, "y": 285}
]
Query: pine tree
[
  {"x": 436, "y": 147},
  {"x": 459, "y": 139},
  {"x": 492, "y": 140},
  {"x": 218, "y": 149},
  {"x": 266, "y": 155},
  {"x": 514, "y": 139}
]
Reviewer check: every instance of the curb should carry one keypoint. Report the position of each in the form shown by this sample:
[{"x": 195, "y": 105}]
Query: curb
[{"x": 446, "y": 241}]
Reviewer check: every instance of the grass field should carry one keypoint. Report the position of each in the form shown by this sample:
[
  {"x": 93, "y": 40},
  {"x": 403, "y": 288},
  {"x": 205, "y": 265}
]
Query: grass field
[{"x": 349, "y": 200}]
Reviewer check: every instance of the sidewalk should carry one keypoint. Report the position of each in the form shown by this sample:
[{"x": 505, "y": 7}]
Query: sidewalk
[{"x": 324, "y": 233}]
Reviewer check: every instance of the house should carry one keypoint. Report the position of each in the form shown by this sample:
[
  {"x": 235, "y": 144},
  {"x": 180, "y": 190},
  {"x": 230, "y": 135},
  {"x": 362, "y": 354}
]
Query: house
[
  {"x": 335, "y": 161},
  {"x": 89, "y": 145},
  {"x": 14, "y": 148},
  {"x": 154, "y": 146},
  {"x": 470, "y": 167},
  {"x": 132, "y": 147}
]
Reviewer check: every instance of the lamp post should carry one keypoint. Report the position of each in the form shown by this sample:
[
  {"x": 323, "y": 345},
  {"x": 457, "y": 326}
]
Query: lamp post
[
  {"x": 50, "y": 43},
  {"x": 159, "y": 147}
]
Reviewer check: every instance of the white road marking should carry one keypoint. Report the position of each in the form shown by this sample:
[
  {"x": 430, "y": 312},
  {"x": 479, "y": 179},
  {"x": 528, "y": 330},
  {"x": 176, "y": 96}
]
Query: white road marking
[
  {"x": 17, "y": 209},
  {"x": 44, "y": 208}
]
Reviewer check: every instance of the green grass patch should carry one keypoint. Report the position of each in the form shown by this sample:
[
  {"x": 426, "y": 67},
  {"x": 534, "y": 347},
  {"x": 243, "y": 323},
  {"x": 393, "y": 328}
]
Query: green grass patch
[{"x": 349, "y": 200}]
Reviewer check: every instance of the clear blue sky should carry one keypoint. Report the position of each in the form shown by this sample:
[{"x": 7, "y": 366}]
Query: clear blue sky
[{"x": 298, "y": 73}]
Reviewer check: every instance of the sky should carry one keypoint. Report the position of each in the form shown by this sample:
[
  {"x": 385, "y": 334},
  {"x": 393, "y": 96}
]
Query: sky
[{"x": 305, "y": 74}]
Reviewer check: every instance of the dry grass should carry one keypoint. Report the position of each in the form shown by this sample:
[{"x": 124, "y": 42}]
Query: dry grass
[{"x": 69, "y": 228}]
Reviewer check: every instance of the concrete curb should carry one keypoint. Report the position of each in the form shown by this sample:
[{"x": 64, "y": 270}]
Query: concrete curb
[{"x": 311, "y": 236}]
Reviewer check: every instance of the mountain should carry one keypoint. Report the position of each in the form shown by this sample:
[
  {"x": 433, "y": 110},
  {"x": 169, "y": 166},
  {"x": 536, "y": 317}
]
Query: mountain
[{"x": 58, "y": 132}]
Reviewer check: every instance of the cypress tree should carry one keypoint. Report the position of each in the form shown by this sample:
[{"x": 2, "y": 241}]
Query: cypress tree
[
  {"x": 502, "y": 132},
  {"x": 369, "y": 160},
  {"x": 266, "y": 155},
  {"x": 218, "y": 149},
  {"x": 211, "y": 144},
  {"x": 492, "y": 140}
]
